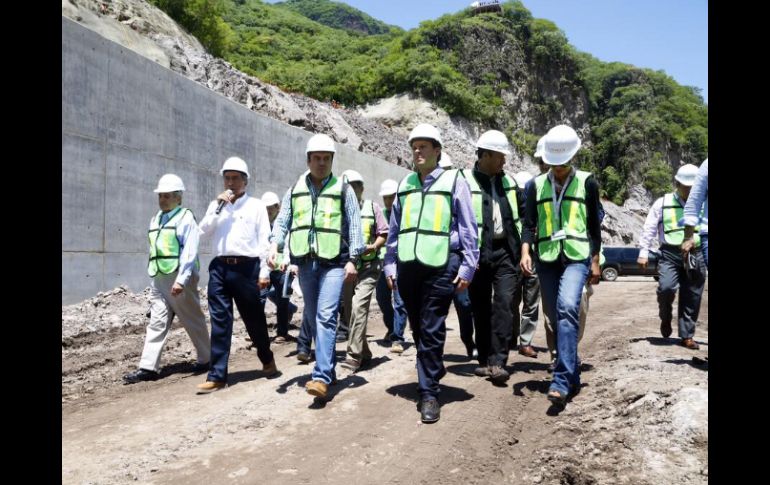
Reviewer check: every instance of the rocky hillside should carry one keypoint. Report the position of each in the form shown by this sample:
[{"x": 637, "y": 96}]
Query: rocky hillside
[{"x": 378, "y": 128}]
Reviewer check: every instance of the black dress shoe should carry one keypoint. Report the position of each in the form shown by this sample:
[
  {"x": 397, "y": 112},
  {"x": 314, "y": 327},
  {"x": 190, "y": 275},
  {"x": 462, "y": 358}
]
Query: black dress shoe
[
  {"x": 140, "y": 375},
  {"x": 430, "y": 411}
]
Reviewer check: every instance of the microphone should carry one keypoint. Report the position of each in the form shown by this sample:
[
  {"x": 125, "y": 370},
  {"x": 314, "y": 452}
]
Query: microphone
[{"x": 223, "y": 202}]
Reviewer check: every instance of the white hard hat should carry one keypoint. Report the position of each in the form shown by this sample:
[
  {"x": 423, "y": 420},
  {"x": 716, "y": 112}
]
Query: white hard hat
[
  {"x": 388, "y": 187},
  {"x": 560, "y": 145},
  {"x": 269, "y": 198},
  {"x": 353, "y": 176},
  {"x": 686, "y": 174},
  {"x": 494, "y": 140},
  {"x": 522, "y": 178},
  {"x": 237, "y": 164},
  {"x": 320, "y": 143},
  {"x": 446, "y": 161},
  {"x": 540, "y": 146},
  {"x": 425, "y": 130},
  {"x": 169, "y": 183}
]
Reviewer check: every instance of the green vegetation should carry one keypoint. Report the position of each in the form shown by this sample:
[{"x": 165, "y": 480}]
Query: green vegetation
[
  {"x": 638, "y": 117},
  {"x": 337, "y": 15},
  {"x": 203, "y": 19}
]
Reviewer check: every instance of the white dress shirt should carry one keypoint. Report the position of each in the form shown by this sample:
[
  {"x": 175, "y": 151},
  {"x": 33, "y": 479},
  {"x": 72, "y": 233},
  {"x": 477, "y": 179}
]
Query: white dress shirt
[{"x": 241, "y": 229}]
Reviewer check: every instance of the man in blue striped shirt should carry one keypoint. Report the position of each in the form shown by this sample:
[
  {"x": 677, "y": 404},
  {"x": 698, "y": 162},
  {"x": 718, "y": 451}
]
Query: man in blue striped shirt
[{"x": 321, "y": 212}]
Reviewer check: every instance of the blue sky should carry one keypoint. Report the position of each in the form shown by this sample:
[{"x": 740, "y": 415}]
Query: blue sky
[{"x": 668, "y": 35}]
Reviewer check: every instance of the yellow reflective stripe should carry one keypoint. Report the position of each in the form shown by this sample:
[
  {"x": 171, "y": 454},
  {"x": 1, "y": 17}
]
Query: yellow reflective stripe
[
  {"x": 328, "y": 214},
  {"x": 437, "y": 215},
  {"x": 572, "y": 214},
  {"x": 674, "y": 220},
  {"x": 548, "y": 220},
  {"x": 408, "y": 210}
]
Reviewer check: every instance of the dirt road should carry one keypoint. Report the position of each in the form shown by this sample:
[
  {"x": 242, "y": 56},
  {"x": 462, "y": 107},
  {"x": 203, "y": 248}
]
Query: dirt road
[{"x": 641, "y": 417}]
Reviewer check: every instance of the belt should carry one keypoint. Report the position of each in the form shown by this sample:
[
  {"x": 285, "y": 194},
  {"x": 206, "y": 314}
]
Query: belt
[
  {"x": 499, "y": 243},
  {"x": 236, "y": 259}
]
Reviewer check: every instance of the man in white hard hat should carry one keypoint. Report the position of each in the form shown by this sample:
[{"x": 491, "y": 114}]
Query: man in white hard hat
[
  {"x": 587, "y": 292},
  {"x": 527, "y": 291},
  {"x": 462, "y": 300},
  {"x": 496, "y": 209},
  {"x": 375, "y": 231},
  {"x": 696, "y": 213},
  {"x": 688, "y": 274},
  {"x": 238, "y": 226},
  {"x": 432, "y": 254},
  {"x": 562, "y": 225},
  {"x": 321, "y": 212},
  {"x": 390, "y": 302},
  {"x": 274, "y": 291},
  {"x": 174, "y": 270}
]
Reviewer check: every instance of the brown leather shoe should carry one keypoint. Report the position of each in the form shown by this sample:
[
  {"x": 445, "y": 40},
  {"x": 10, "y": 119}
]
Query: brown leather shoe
[
  {"x": 690, "y": 344},
  {"x": 665, "y": 328},
  {"x": 527, "y": 351},
  {"x": 316, "y": 388},
  {"x": 210, "y": 386},
  {"x": 270, "y": 369}
]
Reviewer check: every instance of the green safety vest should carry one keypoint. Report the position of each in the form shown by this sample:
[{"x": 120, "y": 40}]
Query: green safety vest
[
  {"x": 673, "y": 212},
  {"x": 369, "y": 228},
  {"x": 573, "y": 219},
  {"x": 320, "y": 220},
  {"x": 509, "y": 186},
  {"x": 165, "y": 247},
  {"x": 425, "y": 219}
]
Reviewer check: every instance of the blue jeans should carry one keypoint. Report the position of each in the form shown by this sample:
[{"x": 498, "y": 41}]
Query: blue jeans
[
  {"x": 321, "y": 287},
  {"x": 306, "y": 333},
  {"x": 561, "y": 287},
  {"x": 284, "y": 307},
  {"x": 704, "y": 245},
  {"x": 392, "y": 307}
]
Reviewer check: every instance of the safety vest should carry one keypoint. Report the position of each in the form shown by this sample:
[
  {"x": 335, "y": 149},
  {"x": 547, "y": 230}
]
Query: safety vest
[
  {"x": 165, "y": 246},
  {"x": 673, "y": 212},
  {"x": 369, "y": 228},
  {"x": 321, "y": 218},
  {"x": 425, "y": 219},
  {"x": 572, "y": 220},
  {"x": 509, "y": 187}
]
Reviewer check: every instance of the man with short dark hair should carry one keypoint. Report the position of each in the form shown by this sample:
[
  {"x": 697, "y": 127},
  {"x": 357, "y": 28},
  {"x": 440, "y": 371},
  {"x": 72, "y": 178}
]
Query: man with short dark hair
[
  {"x": 431, "y": 253},
  {"x": 321, "y": 214},
  {"x": 238, "y": 226}
]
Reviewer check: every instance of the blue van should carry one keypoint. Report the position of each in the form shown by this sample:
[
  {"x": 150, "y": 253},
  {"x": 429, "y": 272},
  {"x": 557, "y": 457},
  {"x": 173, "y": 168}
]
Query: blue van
[{"x": 621, "y": 261}]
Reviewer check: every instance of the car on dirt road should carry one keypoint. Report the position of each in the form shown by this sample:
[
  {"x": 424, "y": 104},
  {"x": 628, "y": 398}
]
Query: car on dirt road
[{"x": 621, "y": 261}]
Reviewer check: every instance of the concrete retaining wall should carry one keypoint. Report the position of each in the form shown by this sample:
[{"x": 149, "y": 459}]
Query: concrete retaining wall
[{"x": 125, "y": 122}]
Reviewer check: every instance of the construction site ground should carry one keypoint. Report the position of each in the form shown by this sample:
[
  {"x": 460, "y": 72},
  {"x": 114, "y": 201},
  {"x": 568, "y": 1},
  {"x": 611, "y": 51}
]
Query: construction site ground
[{"x": 641, "y": 416}]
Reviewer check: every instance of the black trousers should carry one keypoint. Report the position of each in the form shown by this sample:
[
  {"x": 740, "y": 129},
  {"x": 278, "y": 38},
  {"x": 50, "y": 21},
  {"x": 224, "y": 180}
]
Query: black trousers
[
  {"x": 228, "y": 282},
  {"x": 427, "y": 293},
  {"x": 491, "y": 293}
]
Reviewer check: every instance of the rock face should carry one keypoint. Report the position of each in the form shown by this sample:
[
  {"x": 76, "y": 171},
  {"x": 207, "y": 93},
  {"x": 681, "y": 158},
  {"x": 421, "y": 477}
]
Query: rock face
[
  {"x": 381, "y": 128},
  {"x": 153, "y": 34}
]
